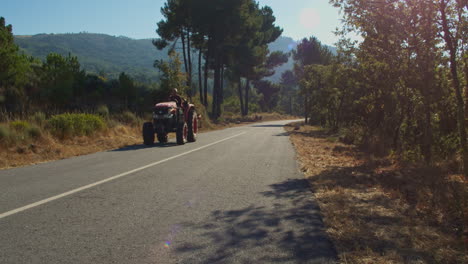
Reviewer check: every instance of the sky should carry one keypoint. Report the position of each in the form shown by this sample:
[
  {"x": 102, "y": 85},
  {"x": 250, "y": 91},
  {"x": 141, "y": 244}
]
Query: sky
[{"x": 137, "y": 19}]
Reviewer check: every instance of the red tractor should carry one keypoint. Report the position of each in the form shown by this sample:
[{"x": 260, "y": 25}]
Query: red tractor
[{"x": 172, "y": 117}]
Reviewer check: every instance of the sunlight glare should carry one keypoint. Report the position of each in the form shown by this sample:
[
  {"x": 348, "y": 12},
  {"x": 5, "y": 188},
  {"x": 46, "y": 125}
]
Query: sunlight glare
[{"x": 309, "y": 18}]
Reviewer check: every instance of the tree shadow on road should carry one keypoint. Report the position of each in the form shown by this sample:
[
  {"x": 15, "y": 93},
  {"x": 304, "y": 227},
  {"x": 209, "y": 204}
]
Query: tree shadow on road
[
  {"x": 268, "y": 126},
  {"x": 289, "y": 231},
  {"x": 142, "y": 146}
]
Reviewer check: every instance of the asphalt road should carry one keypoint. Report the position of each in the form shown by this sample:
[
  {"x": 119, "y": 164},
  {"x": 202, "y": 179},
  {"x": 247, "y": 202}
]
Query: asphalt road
[{"x": 234, "y": 196}]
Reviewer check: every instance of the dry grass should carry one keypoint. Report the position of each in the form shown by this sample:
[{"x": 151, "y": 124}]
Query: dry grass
[
  {"x": 48, "y": 147},
  {"x": 230, "y": 120},
  {"x": 376, "y": 211}
]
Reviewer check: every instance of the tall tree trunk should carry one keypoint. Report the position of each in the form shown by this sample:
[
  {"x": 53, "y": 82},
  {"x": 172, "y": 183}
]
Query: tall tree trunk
[
  {"x": 216, "y": 88},
  {"x": 456, "y": 85},
  {"x": 189, "y": 55},
  {"x": 221, "y": 91},
  {"x": 290, "y": 104},
  {"x": 205, "y": 92},
  {"x": 183, "y": 51},
  {"x": 465, "y": 56},
  {"x": 428, "y": 138},
  {"x": 200, "y": 87},
  {"x": 246, "y": 101},
  {"x": 306, "y": 108},
  {"x": 241, "y": 99}
]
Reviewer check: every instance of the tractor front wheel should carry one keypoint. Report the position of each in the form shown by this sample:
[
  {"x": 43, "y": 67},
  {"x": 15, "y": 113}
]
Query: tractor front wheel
[
  {"x": 181, "y": 134},
  {"x": 162, "y": 138},
  {"x": 192, "y": 126},
  {"x": 148, "y": 133}
]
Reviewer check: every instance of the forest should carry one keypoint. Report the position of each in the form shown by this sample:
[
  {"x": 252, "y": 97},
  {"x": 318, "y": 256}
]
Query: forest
[{"x": 400, "y": 90}]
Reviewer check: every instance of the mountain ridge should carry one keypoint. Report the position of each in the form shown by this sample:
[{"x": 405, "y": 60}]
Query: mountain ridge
[{"x": 111, "y": 55}]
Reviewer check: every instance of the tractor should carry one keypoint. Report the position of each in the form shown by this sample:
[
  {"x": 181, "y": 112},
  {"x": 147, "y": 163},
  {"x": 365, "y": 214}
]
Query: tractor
[{"x": 172, "y": 117}]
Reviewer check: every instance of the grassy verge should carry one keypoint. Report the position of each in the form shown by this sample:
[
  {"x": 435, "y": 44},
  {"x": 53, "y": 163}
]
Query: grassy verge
[
  {"x": 378, "y": 211},
  {"x": 25, "y": 142},
  {"x": 41, "y": 139}
]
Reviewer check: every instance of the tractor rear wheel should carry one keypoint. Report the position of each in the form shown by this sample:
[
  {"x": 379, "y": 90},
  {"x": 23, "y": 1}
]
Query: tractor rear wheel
[
  {"x": 148, "y": 133},
  {"x": 162, "y": 138},
  {"x": 192, "y": 126},
  {"x": 181, "y": 133}
]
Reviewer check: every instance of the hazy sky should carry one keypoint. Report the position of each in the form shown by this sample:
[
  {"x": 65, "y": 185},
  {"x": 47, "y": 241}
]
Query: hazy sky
[{"x": 138, "y": 18}]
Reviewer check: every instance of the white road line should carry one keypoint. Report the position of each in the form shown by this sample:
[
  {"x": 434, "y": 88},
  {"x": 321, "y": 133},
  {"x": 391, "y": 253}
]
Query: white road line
[{"x": 50, "y": 199}]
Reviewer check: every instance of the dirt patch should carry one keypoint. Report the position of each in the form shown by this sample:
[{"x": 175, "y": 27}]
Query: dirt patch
[{"x": 377, "y": 211}]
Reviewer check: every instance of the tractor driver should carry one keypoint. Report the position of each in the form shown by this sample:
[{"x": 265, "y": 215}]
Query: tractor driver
[{"x": 176, "y": 98}]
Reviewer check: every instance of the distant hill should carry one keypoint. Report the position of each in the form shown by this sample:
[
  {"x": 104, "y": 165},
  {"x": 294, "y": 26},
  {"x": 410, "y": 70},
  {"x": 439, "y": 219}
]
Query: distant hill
[
  {"x": 284, "y": 44},
  {"x": 100, "y": 53}
]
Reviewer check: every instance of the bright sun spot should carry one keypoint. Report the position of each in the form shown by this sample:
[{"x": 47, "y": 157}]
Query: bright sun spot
[{"x": 309, "y": 18}]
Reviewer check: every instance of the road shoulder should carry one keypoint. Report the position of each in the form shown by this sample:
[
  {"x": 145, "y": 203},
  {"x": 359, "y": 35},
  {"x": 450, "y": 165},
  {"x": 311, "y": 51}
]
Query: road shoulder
[{"x": 373, "y": 211}]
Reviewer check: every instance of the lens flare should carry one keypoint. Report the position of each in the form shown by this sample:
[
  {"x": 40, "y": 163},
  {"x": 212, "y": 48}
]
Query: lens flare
[{"x": 167, "y": 244}]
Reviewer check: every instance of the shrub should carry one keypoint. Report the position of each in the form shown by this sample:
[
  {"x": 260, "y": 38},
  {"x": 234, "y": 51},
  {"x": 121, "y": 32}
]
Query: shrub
[
  {"x": 5, "y": 134},
  {"x": 351, "y": 135},
  {"x": 111, "y": 123},
  {"x": 75, "y": 124},
  {"x": 34, "y": 132},
  {"x": 129, "y": 118},
  {"x": 20, "y": 125},
  {"x": 39, "y": 118},
  {"x": 103, "y": 111}
]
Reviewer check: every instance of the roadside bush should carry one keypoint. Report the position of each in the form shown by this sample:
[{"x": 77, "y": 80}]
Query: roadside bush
[
  {"x": 20, "y": 125},
  {"x": 103, "y": 111},
  {"x": 129, "y": 118},
  {"x": 5, "y": 135},
  {"x": 66, "y": 125},
  {"x": 111, "y": 123},
  {"x": 351, "y": 135},
  {"x": 39, "y": 118},
  {"x": 17, "y": 132},
  {"x": 34, "y": 132},
  {"x": 205, "y": 121}
]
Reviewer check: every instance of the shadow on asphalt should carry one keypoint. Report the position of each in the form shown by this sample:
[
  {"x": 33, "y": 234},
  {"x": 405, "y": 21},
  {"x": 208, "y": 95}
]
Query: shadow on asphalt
[
  {"x": 284, "y": 134},
  {"x": 142, "y": 146},
  {"x": 289, "y": 232},
  {"x": 268, "y": 126}
]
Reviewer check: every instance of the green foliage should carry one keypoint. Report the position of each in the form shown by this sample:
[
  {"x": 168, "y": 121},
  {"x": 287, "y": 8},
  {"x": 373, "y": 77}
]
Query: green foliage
[
  {"x": 5, "y": 134},
  {"x": 231, "y": 105},
  {"x": 127, "y": 89},
  {"x": 290, "y": 101},
  {"x": 254, "y": 108},
  {"x": 172, "y": 76},
  {"x": 270, "y": 94},
  {"x": 67, "y": 125},
  {"x": 18, "y": 131},
  {"x": 237, "y": 40},
  {"x": 39, "y": 118},
  {"x": 34, "y": 132},
  {"x": 351, "y": 134},
  {"x": 14, "y": 69},
  {"x": 103, "y": 111},
  {"x": 60, "y": 79},
  {"x": 393, "y": 92},
  {"x": 20, "y": 125},
  {"x": 129, "y": 118}
]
